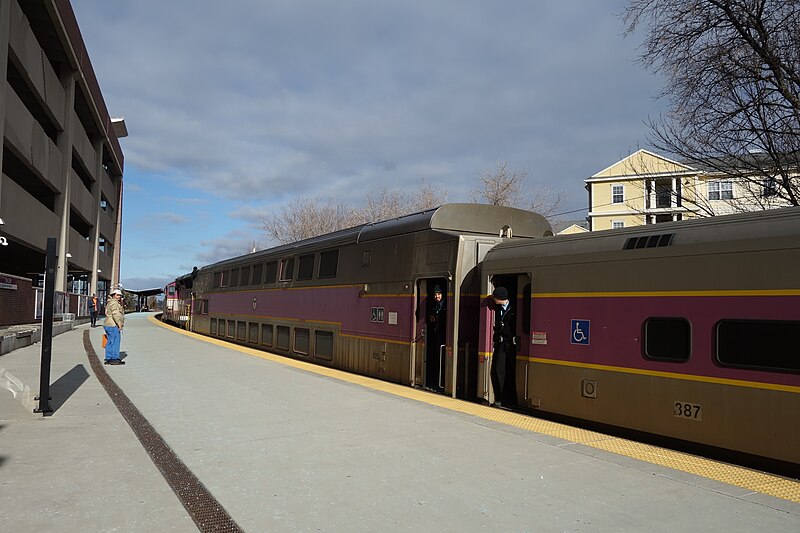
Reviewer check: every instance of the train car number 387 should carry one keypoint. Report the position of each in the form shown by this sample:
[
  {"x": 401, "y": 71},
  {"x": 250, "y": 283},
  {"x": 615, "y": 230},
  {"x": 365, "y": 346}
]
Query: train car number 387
[{"x": 692, "y": 411}]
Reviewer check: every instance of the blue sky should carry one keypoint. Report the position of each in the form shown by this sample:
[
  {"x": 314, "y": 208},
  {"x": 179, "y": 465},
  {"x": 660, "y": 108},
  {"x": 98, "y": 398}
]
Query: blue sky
[{"x": 234, "y": 108}]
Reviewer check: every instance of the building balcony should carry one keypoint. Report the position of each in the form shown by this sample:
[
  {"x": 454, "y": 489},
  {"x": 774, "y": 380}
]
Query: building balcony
[
  {"x": 29, "y": 141},
  {"x": 35, "y": 67},
  {"x": 81, "y": 199}
]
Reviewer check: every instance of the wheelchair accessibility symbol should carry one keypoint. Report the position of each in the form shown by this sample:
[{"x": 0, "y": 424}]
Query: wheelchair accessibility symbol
[{"x": 579, "y": 333}]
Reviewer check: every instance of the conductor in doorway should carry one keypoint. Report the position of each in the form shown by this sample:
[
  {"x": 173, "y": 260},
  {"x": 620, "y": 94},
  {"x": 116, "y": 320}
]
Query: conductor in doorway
[
  {"x": 504, "y": 352},
  {"x": 436, "y": 318}
]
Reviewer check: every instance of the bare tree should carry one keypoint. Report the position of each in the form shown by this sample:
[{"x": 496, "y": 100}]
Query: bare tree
[
  {"x": 506, "y": 186},
  {"x": 304, "y": 217},
  {"x": 501, "y": 186},
  {"x": 732, "y": 70},
  {"x": 386, "y": 204},
  {"x": 382, "y": 205},
  {"x": 427, "y": 196}
]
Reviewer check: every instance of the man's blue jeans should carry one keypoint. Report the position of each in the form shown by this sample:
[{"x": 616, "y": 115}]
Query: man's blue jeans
[{"x": 112, "y": 347}]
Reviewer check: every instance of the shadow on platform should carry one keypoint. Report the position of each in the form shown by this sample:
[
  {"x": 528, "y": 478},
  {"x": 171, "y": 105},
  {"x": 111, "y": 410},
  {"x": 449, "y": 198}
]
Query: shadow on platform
[{"x": 66, "y": 385}]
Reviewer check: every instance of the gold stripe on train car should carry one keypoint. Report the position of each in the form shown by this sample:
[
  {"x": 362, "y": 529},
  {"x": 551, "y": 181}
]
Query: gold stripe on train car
[
  {"x": 641, "y": 294},
  {"x": 762, "y": 483},
  {"x": 661, "y": 374},
  {"x": 251, "y": 318},
  {"x": 378, "y": 339}
]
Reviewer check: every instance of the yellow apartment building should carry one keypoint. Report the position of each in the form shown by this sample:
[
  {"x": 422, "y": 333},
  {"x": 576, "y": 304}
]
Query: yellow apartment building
[{"x": 648, "y": 188}]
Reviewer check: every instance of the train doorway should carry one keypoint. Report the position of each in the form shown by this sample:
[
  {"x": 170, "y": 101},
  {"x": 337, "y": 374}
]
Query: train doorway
[
  {"x": 513, "y": 376},
  {"x": 433, "y": 324}
]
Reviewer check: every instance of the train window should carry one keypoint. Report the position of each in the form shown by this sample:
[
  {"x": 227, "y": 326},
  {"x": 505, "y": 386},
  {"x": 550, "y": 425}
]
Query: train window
[
  {"x": 266, "y": 334},
  {"x": 217, "y": 280},
  {"x": 244, "y": 276},
  {"x": 258, "y": 271},
  {"x": 305, "y": 269},
  {"x": 328, "y": 263},
  {"x": 231, "y": 328},
  {"x": 221, "y": 328},
  {"x": 366, "y": 257},
  {"x": 760, "y": 344},
  {"x": 666, "y": 239},
  {"x": 283, "y": 337},
  {"x": 648, "y": 241},
  {"x": 241, "y": 331},
  {"x": 302, "y": 338},
  {"x": 270, "y": 271},
  {"x": 323, "y": 344},
  {"x": 252, "y": 332},
  {"x": 204, "y": 309},
  {"x": 234, "y": 280},
  {"x": 287, "y": 270},
  {"x": 213, "y": 326},
  {"x": 667, "y": 339}
]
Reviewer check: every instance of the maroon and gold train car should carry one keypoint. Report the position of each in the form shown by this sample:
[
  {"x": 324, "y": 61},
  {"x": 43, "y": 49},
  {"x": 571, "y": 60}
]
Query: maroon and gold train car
[
  {"x": 178, "y": 297},
  {"x": 362, "y": 299},
  {"x": 687, "y": 330}
]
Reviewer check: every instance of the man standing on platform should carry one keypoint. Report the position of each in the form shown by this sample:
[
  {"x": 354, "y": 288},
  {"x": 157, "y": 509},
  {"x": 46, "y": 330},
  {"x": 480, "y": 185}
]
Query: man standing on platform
[{"x": 115, "y": 320}]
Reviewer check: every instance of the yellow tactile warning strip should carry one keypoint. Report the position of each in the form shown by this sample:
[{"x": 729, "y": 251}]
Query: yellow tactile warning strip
[{"x": 753, "y": 480}]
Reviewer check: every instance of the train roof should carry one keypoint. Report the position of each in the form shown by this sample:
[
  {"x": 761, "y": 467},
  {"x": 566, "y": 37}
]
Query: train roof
[
  {"x": 453, "y": 219},
  {"x": 462, "y": 218},
  {"x": 711, "y": 230}
]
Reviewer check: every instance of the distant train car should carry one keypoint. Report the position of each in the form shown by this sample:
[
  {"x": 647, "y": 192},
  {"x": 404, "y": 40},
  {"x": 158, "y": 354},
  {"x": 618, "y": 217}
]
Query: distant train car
[
  {"x": 364, "y": 299},
  {"x": 687, "y": 330},
  {"x": 178, "y": 299}
]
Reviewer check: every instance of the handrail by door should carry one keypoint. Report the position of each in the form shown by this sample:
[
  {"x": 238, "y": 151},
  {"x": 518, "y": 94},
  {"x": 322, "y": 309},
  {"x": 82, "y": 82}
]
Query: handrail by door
[
  {"x": 441, "y": 357},
  {"x": 486, "y": 372},
  {"x": 526, "y": 379}
]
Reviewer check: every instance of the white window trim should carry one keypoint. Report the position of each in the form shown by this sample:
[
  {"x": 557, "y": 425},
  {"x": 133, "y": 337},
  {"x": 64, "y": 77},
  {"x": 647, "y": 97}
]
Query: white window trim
[
  {"x": 720, "y": 187},
  {"x": 612, "y": 193}
]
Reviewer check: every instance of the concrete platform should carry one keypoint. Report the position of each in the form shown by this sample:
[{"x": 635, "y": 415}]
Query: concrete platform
[{"x": 285, "y": 449}]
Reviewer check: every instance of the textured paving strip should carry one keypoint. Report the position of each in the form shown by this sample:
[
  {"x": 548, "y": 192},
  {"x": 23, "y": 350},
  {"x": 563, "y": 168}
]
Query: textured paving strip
[
  {"x": 755, "y": 481},
  {"x": 204, "y": 509}
]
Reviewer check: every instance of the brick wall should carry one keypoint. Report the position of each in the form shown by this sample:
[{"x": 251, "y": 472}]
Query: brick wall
[{"x": 17, "y": 306}]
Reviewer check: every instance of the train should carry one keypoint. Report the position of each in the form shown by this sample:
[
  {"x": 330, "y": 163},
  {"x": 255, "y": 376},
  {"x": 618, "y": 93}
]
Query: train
[{"x": 685, "y": 332}]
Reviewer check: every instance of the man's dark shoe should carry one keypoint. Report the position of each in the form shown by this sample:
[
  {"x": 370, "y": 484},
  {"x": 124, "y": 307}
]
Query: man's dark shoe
[
  {"x": 107, "y": 362},
  {"x": 116, "y": 362}
]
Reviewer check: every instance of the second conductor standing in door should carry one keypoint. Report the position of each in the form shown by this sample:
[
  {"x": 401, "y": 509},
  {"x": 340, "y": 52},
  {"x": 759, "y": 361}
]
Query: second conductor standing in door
[
  {"x": 437, "y": 337},
  {"x": 437, "y": 316},
  {"x": 504, "y": 349}
]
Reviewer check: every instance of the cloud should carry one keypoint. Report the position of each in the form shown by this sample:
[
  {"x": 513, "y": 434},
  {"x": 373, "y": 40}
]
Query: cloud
[
  {"x": 138, "y": 284},
  {"x": 307, "y": 98},
  {"x": 234, "y": 244},
  {"x": 235, "y": 108},
  {"x": 170, "y": 218}
]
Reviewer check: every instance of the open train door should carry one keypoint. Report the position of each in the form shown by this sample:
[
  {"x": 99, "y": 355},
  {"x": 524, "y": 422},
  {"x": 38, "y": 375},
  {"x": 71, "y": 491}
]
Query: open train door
[
  {"x": 524, "y": 304},
  {"x": 432, "y": 331},
  {"x": 519, "y": 290}
]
